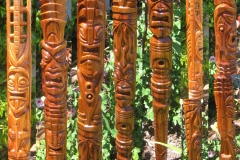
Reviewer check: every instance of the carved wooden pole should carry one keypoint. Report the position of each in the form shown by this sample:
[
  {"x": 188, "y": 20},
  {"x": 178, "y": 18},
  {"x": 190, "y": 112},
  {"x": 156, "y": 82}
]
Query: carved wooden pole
[
  {"x": 192, "y": 106},
  {"x": 54, "y": 76},
  {"x": 225, "y": 52},
  {"x": 160, "y": 23},
  {"x": 91, "y": 43},
  {"x": 125, "y": 43},
  {"x": 19, "y": 78}
]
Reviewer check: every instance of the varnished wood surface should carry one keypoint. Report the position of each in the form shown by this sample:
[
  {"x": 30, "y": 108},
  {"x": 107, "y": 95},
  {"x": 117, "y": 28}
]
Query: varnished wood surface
[
  {"x": 54, "y": 77},
  {"x": 160, "y": 24},
  {"x": 19, "y": 78},
  {"x": 91, "y": 43},
  {"x": 225, "y": 53},
  {"x": 192, "y": 106},
  {"x": 124, "y": 48}
]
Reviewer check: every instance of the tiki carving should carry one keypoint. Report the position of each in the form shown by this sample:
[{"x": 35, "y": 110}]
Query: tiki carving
[
  {"x": 225, "y": 52},
  {"x": 160, "y": 23},
  {"x": 91, "y": 43},
  {"x": 193, "y": 124},
  {"x": 192, "y": 106},
  {"x": 125, "y": 43},
  {"x": 19, "y": 78},
  {"x": 54, "y": 76}
]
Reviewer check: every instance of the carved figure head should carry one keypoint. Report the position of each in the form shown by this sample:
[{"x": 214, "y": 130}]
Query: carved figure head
[
  {"x": 90, "y": 49},
  {"x": 160, "y": 17},
  {"x": 18, "y": 90}
]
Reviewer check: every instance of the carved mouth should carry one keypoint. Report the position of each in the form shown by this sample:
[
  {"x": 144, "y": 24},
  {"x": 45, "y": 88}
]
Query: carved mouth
[
  {"x": 160, "y": 19},
  {"x": 87, "y": 51},
  {"x": 54, "y": 79},
  {"x": 123, "y": 93}
]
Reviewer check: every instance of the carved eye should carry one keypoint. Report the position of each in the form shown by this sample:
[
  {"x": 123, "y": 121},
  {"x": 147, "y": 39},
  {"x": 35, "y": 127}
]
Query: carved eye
[
  {"x": 117, "y": 73},
  {"x": 98, "y": 32},
  {"x": 61, "y": 57},
  {"x": 129, "y": 75},
  {"x": 81, "y": 31},
  {"x": 46, "y": 57},
  {"x": 11, "y": 80},
  {"x": 22, "y": 81}
]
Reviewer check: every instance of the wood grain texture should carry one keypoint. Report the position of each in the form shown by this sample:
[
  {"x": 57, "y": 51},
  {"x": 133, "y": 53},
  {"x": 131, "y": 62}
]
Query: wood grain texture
[
  {"x": 193, "y": 124},
  {"x": 91, "y": 42},
  {"x": 160, "y": 23},
  {"x": 124, "y": 48},
  {"x": 192, "y": 106},
  {"x": 225, "y": 53},
  {"x": 54, "y": 77},
  {"x": 19, "y": 78}
]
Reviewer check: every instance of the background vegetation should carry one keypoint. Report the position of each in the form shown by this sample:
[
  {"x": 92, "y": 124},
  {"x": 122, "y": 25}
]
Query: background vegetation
[{"x": 143, "y": 99}]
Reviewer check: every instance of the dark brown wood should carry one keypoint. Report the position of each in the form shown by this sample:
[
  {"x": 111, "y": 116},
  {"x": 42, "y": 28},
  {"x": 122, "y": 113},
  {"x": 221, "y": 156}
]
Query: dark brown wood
[
  {"x": 125, "y": 43},
  {"x": 19, "y": 78},
  {"x": 54, "y": 77},
  {"x": 192, "y": 106},
  {"x": 160, "y": 23},
  {"x": 91, "y": 42},
  {"x": 225, "y": 52}
]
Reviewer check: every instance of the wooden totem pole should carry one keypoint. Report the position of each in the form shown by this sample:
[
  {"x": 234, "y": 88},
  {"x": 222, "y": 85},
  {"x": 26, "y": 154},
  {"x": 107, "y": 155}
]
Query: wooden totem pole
[
  {"x": 225, "y": 52},
  {"x": 192, "y": 106},
  {"x": 160, "y": 23},
  {"x": 125, "y": 43},
  {"x": 54, "y": 77},
  {"x": 19, "y": 78},
  {"x": 91, "y": 44}
]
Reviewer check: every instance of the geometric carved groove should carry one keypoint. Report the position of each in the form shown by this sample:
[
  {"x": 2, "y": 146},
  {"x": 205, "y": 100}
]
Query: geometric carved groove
[
  {"x": 124, "y": 48},
  {"x": 19, "y": 78},
  {"x": 54, "y": 77},
  {"x": 192, "y": 106},
  {"x": 160, "y": 24},
  {"x": 91, "y": 43},
  {"x": 225, "y": 53}
]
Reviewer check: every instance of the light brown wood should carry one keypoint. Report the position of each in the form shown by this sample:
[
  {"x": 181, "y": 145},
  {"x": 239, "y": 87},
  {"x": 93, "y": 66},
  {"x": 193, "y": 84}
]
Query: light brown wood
[
  {"x": 91, "y": 42},
  {"x": 19, "y": 78},
  {"x": 192, "y": 106},
  {"x": 124, "y": 48},
  {"x": 225, "y": 53},
  {"x": 54, "y": 77},
  {"x": 160, "y": 23}
]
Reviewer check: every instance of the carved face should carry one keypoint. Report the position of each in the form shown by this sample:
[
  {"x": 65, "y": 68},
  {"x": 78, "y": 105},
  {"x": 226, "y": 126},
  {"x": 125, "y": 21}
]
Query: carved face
[
  {"x": 53, "y": 66},
  {"x": 90, "y": 61},
  {"x": 160, "y": 17},
  {"x": 124, "y": 84},
  {"x": 225, "y": 29},
  {"x": 18, "y": 88}
]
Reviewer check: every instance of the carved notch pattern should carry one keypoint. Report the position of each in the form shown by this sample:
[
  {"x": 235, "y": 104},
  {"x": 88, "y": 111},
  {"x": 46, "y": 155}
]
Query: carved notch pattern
[
  {"x": 125, "y": 41},
  {"x": 54, "y": 77},
  {"x": 91, "y": 27},
  {"x": 18, "y": 78},
  {"x": 225, "y": 52},
  {"x": 160, "y": 23}
]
